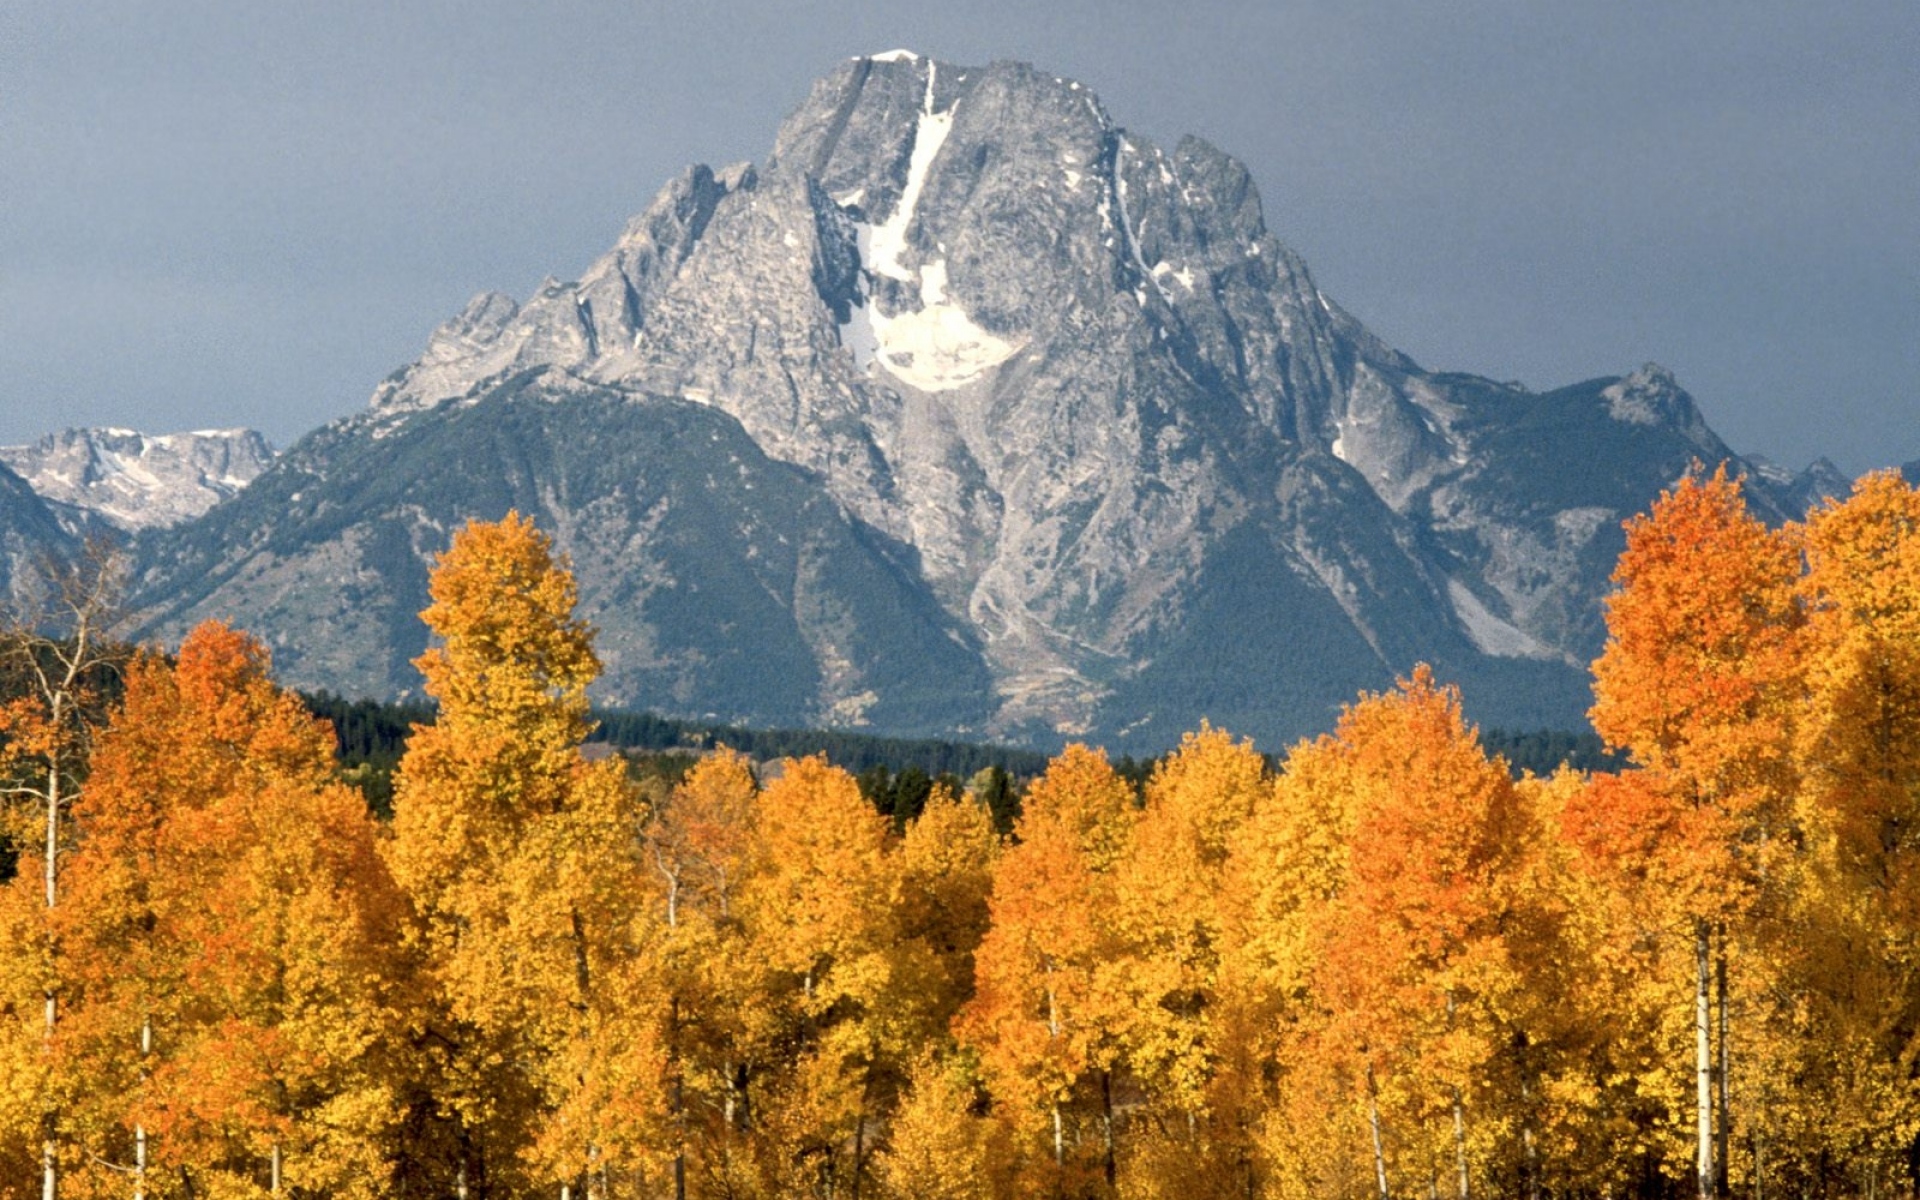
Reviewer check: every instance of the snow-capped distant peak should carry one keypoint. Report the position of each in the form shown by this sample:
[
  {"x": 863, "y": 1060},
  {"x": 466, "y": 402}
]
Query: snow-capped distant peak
[
  {"x": 138, "y": 481},
  {"x": 892, "y": 56}
]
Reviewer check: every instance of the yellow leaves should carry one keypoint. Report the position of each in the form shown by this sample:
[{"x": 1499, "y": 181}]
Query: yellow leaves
[
  {"x": 1045, "y": 1012},
  {"x": 1167, "y": 889},
  {"x": 938, "y": 1149},
  {"x": 820, "y": 886},
  {"x": 1859, "y": 740},
  {"x": 1234, "y": 978},
  {"x": 699, "y": 841},
  {"x": 524, "y": 864},
  {"x": 226, "y": 909},
  {"x": 945, "y": 876},
  {"x": 514, "y": 655},
  {"x": 1695, "y": 679}
]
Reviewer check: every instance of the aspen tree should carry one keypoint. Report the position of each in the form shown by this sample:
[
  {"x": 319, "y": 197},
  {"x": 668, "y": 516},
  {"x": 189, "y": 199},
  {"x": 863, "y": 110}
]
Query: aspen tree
[
  {"x": 818, "y": 909},
  {"x": 230, "y": 928},
  {"x": 1696, "y": 683},
  {"x": 1044, "y": 1018},
  {"x": 1858, "y": 748},
  {"x": 521, "y": 861},
  {"x": 698, "y": 846},
  {"x": 1168, "y": 911},
  {"x": 59, "y": 645}
]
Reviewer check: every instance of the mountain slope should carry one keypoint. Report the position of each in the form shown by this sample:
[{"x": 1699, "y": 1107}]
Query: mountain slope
[
  {"x": 1096, "y": 442},
  {"x": 29, "y": 533},
  {"x": 723, "y": 584}
]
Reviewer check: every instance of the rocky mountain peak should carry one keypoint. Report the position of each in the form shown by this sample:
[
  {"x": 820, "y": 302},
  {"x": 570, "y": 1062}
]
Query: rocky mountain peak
[
  {"x": 1063, "y": 385},
  {"x": 1652, "y": 396},
  {"x": 135, "y": 481}
]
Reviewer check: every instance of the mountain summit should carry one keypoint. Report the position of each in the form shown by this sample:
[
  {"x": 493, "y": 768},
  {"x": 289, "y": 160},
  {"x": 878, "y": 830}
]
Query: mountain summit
[{"x": 967, "y": 410}]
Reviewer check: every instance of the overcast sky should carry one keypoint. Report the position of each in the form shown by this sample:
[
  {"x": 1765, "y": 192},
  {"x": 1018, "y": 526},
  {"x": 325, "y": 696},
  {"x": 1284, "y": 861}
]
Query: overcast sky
[{"x": 222, "y": 213}]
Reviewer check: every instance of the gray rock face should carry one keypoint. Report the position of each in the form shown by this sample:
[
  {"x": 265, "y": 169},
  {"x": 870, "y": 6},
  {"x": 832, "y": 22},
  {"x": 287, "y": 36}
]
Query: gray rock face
[
  {"x": 30, "y": 532},
  {"x": 722, "y": 584},
  {"x": 134, "y": 481},
  {"x": 1098, "y": 417}
]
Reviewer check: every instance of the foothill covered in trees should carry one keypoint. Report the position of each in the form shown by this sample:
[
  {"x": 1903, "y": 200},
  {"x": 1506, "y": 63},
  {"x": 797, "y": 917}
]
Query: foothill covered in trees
[{"x": 1376, "y": 966}]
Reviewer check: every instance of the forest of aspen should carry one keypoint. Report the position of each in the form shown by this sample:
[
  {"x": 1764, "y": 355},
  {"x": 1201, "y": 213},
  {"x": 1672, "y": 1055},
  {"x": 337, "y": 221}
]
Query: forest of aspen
[{"x": 1376, "y": 965}]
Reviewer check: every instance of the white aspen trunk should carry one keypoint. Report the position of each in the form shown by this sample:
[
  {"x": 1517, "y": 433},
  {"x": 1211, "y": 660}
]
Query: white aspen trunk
[
  {"x": 1059, "y": 1138},
  {"x": 140, "y": 1127},
  {"x": 595, "y": 1175},
  {"x": 1526, "y": 1138},
  {"x": 49, "y": 1149},
  {"x": 275, "y": 1170},
  {"x": 1460, "y": 1141},
  {"x": 1373, "y": 1122},
  {"x": 1703, "y": 1059},
  {"x": 1459, "y": 1119},
  {"x": 1723, "y": 1076},
  {"x": 460, "y": 1178}
]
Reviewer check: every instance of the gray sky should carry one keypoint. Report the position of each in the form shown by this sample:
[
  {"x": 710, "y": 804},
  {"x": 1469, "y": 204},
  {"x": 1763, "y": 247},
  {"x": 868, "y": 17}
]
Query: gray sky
[{"x": 222, "y": 212}]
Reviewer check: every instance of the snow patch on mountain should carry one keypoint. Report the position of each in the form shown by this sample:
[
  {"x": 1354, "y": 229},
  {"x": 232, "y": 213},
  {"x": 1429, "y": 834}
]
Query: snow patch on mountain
[{"x": 939, "y": 346}]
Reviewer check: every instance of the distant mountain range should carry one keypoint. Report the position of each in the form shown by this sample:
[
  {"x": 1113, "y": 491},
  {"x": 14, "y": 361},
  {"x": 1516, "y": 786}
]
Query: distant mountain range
[
  {"x": 967, "y": 412},
  {"x": 80, "y": 482},
  {"x": 133, "y": 481}
]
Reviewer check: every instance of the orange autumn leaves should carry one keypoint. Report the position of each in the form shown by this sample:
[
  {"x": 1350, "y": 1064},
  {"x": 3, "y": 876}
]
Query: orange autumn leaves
[
  {"x": 224, "y": 944},
  {"x": 1385, "y": 967}
]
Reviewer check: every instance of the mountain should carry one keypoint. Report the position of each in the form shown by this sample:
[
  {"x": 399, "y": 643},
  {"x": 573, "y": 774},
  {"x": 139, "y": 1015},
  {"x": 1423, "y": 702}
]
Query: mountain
[
  {"x": 132, "y": 481},
  {"x": 970, "y": 411},
  {"x": 29, "y": 532}
]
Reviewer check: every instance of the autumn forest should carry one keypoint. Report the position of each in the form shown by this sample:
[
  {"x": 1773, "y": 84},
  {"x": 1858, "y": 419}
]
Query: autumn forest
[{"x": 1384, "y": 969}]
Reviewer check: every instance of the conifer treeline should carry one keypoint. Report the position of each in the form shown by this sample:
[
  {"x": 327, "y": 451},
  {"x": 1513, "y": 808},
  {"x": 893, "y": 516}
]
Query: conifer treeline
[{"x": 1386, "y": 968}]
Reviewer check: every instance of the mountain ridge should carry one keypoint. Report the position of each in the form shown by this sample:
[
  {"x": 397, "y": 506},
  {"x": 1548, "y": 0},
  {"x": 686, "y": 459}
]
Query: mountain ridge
[
  {"x": 1066, "y": 390},
  {"x": 129, "y": 481}
]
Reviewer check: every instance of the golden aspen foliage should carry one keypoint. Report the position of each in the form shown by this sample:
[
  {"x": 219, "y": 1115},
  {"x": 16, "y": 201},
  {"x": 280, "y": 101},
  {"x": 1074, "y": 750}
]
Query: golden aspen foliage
[
  {"x": 1390, "y": 969},
  {"x": 230, "y": 926},
  {"x": 698, "y": 845},
  {"x": 1699, "y": 682},
  {"x": 1167, "y": 892},
  {"x": 1858, "y": 749},
  {"x": 1611, "y": 990},
  {"x": 1045, "y": 1016},
  {"x": 1698, "y": 678},
  {"x": 1385, "y": 871},
  {"x": 524, "y": 866},
  {"x": 818, "y": 908},
  {"x": 1286, "y": 866},
  {"x": 57, "y": 657},
  {"x": 939, "y": 1148},
  {"x": 945, "y": 877}
]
